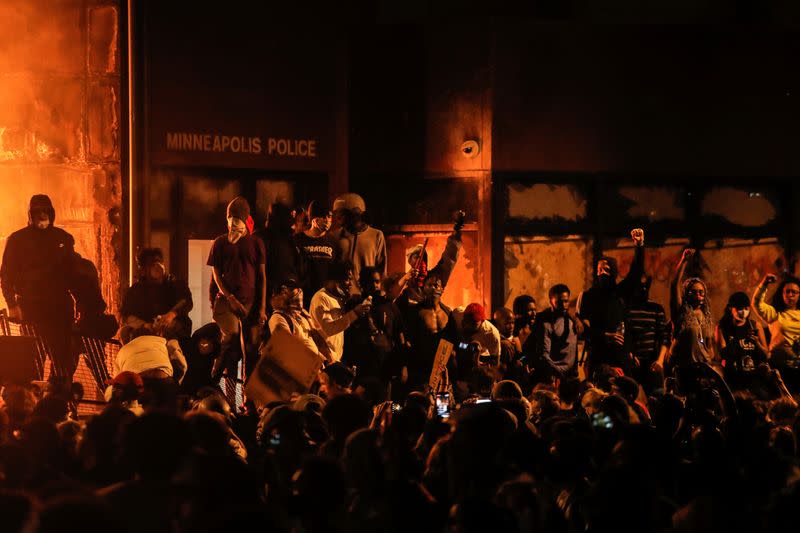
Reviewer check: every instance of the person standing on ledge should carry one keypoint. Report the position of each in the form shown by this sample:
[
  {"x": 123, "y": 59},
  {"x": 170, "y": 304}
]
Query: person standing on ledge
[
  {"x": 237, "y": 260},
  {"x": 361, "y": 244},
  {"x": 319, "y": 249},
  {"x": 34, "y": 277},
  {"x": 602, "y": 309}
]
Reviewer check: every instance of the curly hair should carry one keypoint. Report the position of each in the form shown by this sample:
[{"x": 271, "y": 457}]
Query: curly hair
[
  {"x": 686, "y": 312},
  {"x": 777, "y": 297}
]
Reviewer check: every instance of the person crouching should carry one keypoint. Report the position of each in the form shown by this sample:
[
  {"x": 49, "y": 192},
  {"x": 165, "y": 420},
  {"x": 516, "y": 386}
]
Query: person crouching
[{"x": 160, "y": 364}]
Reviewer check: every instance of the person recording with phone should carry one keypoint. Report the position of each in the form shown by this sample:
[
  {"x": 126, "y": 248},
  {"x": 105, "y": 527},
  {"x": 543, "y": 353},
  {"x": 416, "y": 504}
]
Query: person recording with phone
[
  {"x": 370, "y": 340},
  {"x": 476, "y": 329},
  {"x": 740, "y": 341},
  {"x": 328, "y": 308}
]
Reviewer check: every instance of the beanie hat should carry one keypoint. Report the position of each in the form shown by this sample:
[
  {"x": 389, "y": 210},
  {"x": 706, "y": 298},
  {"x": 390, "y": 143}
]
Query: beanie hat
[
  {"x": 351, "y": 202},
  {"x": 238, "y": 208},
  {"x": 41, "y": 201},
  {"x": 476, "y": 312}
]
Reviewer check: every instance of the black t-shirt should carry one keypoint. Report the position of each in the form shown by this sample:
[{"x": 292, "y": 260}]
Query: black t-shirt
[
  {"x": 605, "y": 310},
  {"x": 238, "y": 264},
  {"x": 282, "y": 257},
  {"x": 147, "y": 300},
  {"x": 318, "y": 253},
  {"x": 739, "y": 345}
]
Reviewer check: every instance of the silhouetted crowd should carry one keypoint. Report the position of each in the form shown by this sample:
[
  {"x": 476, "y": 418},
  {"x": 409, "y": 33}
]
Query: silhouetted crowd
[{"x": 596, "y": 411}]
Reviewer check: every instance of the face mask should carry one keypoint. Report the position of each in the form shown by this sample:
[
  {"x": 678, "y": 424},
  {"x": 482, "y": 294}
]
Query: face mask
[
  {"x": 42, "y": 224},
  {"x": 295, "y": 300},
  {"x": 236, "y": 230}
]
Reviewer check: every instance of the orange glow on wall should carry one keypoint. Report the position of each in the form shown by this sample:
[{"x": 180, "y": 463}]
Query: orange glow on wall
[{"x": 59, "y": 124}]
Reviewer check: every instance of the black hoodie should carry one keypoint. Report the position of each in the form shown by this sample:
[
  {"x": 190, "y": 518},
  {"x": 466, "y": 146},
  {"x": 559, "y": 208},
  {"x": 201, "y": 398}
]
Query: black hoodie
[
  {"x": 36, "y": 263},
  {"x": 604, "y": 306}
]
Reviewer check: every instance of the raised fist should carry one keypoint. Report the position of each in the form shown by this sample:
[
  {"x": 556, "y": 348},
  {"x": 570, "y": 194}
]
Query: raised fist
[
  {"x": 637, "y": 234},
  {"x": 769, "y": 279},
  {"x": 688, "y": 254}
]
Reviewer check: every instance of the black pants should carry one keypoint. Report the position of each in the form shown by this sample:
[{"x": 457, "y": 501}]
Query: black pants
[{"x": 52, "y": 321}]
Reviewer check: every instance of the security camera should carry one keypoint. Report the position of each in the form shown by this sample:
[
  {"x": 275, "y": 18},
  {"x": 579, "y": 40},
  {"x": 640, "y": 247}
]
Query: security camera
[{"x": 470, "y": 148}]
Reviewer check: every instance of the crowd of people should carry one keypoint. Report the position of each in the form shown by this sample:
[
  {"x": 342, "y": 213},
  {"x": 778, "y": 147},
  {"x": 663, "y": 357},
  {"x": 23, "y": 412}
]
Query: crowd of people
[{"x": 597, "y": 412}]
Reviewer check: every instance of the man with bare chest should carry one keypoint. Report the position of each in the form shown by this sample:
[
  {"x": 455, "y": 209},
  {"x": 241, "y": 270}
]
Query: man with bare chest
[{"x": 429, "y": 321}]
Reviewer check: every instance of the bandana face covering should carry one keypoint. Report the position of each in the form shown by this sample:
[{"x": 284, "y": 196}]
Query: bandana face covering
[
  {"x": 236, "y": 230},
  {"x": 422, "y": 274}
]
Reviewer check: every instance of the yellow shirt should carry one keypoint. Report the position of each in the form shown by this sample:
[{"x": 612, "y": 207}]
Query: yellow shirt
[{"x": 784, "y": 325}]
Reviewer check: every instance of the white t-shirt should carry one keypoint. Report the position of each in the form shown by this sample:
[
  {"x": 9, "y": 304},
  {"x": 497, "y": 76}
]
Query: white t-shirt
[
  {"x": 300, "y": 327},
  {"x": 149, "y": 352},
  {"x": 487, "y": 335},
  {"x": 331, "y": 320}
]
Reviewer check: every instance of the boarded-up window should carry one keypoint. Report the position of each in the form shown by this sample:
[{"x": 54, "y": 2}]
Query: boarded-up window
[
  {"x": 659, "y": 262},
  {"x": 534, "y": 264},
  {"x": 728, "y": 266},
  {"x": 546, "y": 202},
  {"x": 748, "y": 208},
  {"x": 619, "y": 205},
  {"x": 738, "y": 265}
]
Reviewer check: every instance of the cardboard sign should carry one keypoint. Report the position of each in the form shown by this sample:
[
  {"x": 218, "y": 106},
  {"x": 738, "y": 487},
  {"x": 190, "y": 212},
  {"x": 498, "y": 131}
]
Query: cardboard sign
[
  {"x": 286, "y": 366},
  {"x": 443, "y": 353}
]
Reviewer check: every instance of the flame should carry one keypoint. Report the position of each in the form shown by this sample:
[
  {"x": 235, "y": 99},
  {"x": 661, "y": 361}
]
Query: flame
[{"x": 20, "y": 145}]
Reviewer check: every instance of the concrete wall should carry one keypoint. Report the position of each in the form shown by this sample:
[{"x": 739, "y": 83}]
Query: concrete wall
[
  {"x": 699, "y": 100},
  {"x": 60, "y": 123},
  {"x": 417, "y": 93}
]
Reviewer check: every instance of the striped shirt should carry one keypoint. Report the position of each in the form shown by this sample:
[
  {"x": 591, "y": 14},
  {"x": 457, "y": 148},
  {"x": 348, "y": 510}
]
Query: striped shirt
[{"x": 647, "y": 330}]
